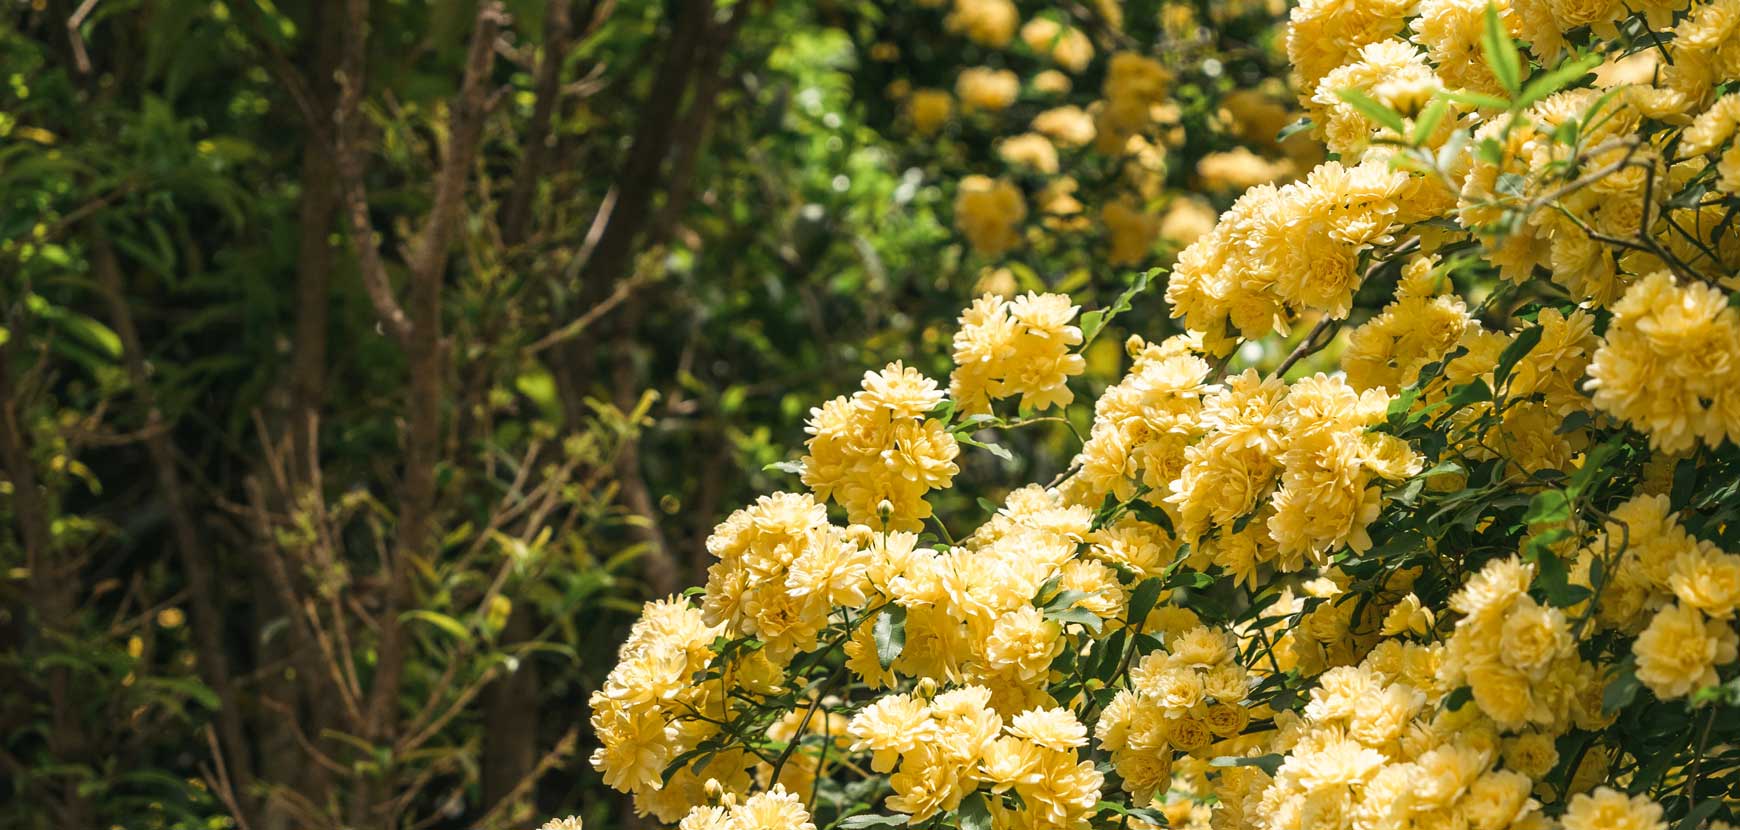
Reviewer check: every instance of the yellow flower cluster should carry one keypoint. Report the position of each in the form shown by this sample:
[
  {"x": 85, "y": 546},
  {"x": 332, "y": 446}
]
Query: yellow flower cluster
[
  {"x": 1024, "y": 346},
  {"x": 989, "y": 212},
  {"x": 1282, "y": 251},
  {"x": 1134, "y": 85},
  {"x": 781, "y": 569},
  {"x": 1116, "y": 137},
  {"x": 968, "y": 611},
  {"x": 775, "y": 809},
  {"x": 1420, "y": 326},
  {"x": 1326, "y": 34},
  {"x": 1518, "y": 656},
  {"x": 942, "y": 749},
  {"x": 1068, "y": 46},
  {"x": 1329, "y": 463},
  {"x": 876, "y": 453},
  {"x": 987, "y": 22},
  {"x": 1132, "y": 230},
  {"x": 1670, "y": 363},
  {"x": 983, "y": 88},
  {"x": 1183, "y": 700},
  {"x": 1374, "y": 750},
  {"x": 636, "y": 715},
  {"x": 1681, "y": 591},
  {"x": 1143, "y": 423},
  {"x": 929, "y": 110}
]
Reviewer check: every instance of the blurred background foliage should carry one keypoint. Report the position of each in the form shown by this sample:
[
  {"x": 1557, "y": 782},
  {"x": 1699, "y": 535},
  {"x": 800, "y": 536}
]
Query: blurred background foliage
[{"x": 364, "y": 366}]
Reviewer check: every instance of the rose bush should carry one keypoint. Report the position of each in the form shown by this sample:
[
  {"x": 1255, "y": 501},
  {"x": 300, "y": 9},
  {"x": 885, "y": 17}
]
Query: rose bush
[{"x": 1462, "y": 559}]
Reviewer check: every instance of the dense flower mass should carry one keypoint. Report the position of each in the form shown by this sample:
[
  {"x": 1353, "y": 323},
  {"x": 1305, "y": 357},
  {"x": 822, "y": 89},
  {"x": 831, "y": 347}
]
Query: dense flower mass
[
  {"x": 877, "y": 453},
  {"x": 1465, "y": 557}
]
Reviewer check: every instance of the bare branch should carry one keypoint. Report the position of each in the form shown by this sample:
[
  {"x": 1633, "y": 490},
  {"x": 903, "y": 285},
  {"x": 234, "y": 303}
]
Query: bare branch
[
  {"x": 347, "y": 153},
  {"x": 464, "y": 131},
  {"x": 623, "y": 290},
  {"x": 1313, "y": 341}
]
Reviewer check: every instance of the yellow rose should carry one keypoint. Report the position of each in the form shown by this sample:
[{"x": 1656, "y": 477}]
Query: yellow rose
[
  {"x": 1503, "y": 693},
  {"x": 1226, "y": 720}
]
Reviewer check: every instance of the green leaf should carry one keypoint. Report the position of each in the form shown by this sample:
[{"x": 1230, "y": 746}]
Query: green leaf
[
  {"x": 1147, "y": 814},
  {"x": 1143, "y": 598},
  {"x": 996, "y": 449},
  {"x": 1475, "y": 99},
  {"x": 1267, "y": 763},
  {"x": 1548, "y": 83},
  {"x": 1573, "y": 422},
  {"x": 975, "y": 814},
  {"x": 1458, "y": 698},
  {"x": 1076, "y": 615},
  {"x": 1428, "y": 119},
  {"x": 870, "y": 820},
  {"x": 1293, "y": 129},
  {"x": 1699, "y": 814},
  {"x": 1501, "y": 53},
  {"x": 185, "y": 687},
  {"x": 943, "y": 411},
  {"x": 890, "y": 633},
  {"x": 92, "y": 333},
  {"x": 1372, "y": 109},
  {"x": 1622, "y": 689},
  {"x": 1473, "y": 392},
  {"x": 1112, "y": 654},
  {"x": 1548, "y": 506},
  {"x": 1063, "y": 600},
  {"x": 439, "y": 620},
  {"x": 1594, "y": 464},
  {"x": 1094, "y": 322},
  {"x": 1489, "y": 151},
  {"x": 1398, "y": 409},
  {"x": 1685, "y": 483},
  {"x": 1525, "y": 341},
  {"x": 678, "y": 763},
  {"x": 1554, "y": 579}
]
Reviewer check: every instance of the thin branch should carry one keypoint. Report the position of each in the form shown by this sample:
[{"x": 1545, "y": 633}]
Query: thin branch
[
  {"x": 464, "y": 133},
  {"x": 220, "y": 781},
  {"x": 73, "y": 23},
  {"x": 295, "y": 728},
  {"x": 347, "y": 154},
  {"x": 623, "y": 290},
  {"x": 563, "y": 748},
  {"x": 1313, "y": 341}
]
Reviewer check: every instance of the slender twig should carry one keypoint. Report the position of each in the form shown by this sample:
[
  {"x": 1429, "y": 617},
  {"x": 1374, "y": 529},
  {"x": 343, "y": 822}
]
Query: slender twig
[
  {"x": 623, "y": 290},
  {"x": 803, "y": 725},
  {"x": 1698, "y": 759},
  {"x": 347, "y": 155},
  {"x": 1310, "y": 344},
  {"x": 74, "y": 22},
  {"x": 564, "y": 747},
  {"x": 219, "y": 780}
]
